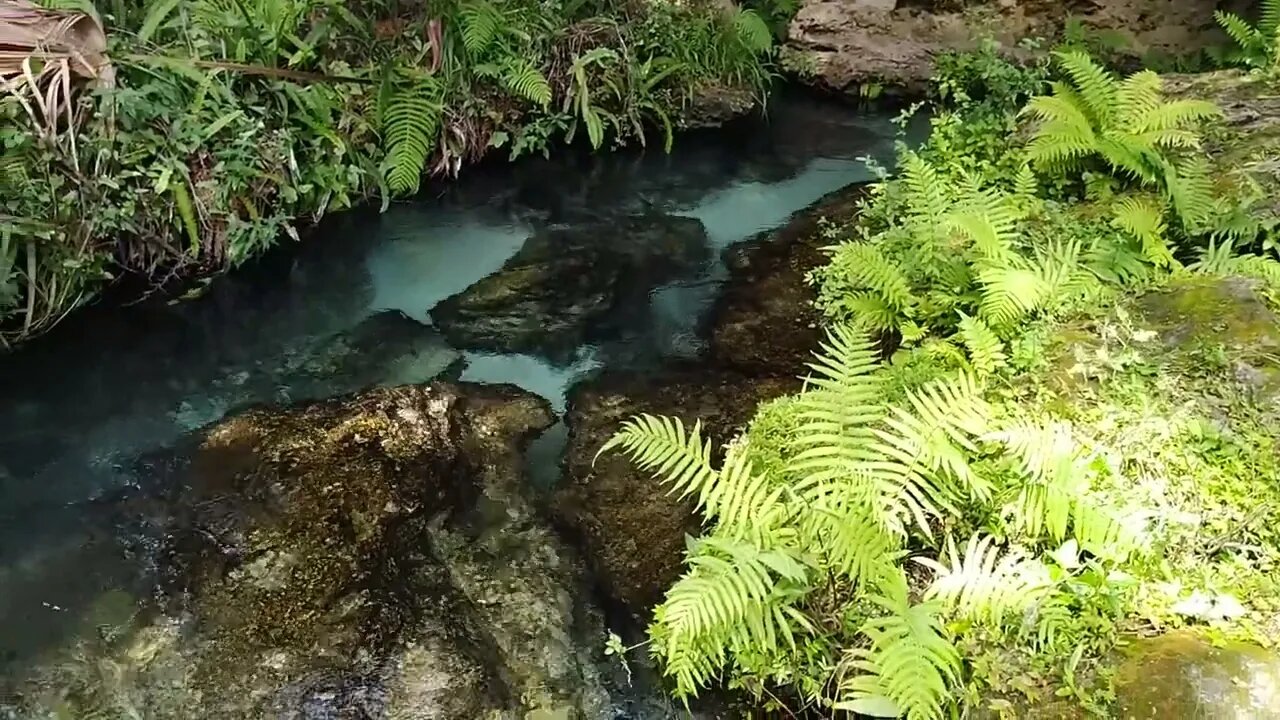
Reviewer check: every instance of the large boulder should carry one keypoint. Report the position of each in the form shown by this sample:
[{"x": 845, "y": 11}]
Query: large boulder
[
  {"x": 373, "y": 556},
  {"x": 844, "y": 45},
  {"x": 566, "y": 286},
  {"x": 1182, "y": 675}
]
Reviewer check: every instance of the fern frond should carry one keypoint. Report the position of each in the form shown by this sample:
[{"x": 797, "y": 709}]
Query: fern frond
[
  {"x": 752, "y": 31},
  {"x": 522, "y": 79},
  {"x": 839, "y": 406},
  {"x": 1143, "y": 218},
  {"x": 927, "y": 199},
  {"x": 1010, "y": 293},
  {"x": 868, "y": 268},
  {"x": 1096, "y": 86},
  {"x": 1190, "y": 189},
  {"x": 1249, "y": 39},
  {"x": 986, "y": 351},
  {"x": 910, "y": 663},
  {"x": 729, "y": 591},
  {"x": 925, "y": 444},
  {"x": 662, "y": 446},
  {"x": 983, "y": 585},
  {"x": 410, "y": 108},
  {"x": 1174, "y": 115},
  {"x": 481, "y": 24},
  {"x": 1137, "y": 100},
  {"x": 990, "y": 222},
  {"x": 1269, "y": 17}
]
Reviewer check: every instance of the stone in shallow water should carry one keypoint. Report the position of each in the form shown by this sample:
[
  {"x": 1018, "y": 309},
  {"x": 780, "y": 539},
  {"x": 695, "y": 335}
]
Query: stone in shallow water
[
  {"x": 1181, "y": 676},
  {"x": 368, "y": 557},
  {"x": 567, "y": 286}
]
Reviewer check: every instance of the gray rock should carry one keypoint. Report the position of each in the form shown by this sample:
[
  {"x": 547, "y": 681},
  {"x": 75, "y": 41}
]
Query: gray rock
[
  {"x": 568, "y": 285},
  {"x": 842, "y": 45}
]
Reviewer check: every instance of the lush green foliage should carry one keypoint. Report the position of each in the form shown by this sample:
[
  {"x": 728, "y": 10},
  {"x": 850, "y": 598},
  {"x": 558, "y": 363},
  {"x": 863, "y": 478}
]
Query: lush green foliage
[
  {"x": 233, "y": 123},
  {"x": 976, "y": 521},
  {"x": 1256, "y": 46}
]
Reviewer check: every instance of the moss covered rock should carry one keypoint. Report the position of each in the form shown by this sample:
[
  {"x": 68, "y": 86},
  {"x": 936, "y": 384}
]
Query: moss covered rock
[
  {"x": 372, "y": 556},
  {"x": 1181, "y": 675}
]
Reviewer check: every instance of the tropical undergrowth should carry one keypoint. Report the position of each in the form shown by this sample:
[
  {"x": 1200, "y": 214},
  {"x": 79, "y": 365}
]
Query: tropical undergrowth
[
  {"x": 969, "y": 507},
  {"x": 222, "y": 126}
]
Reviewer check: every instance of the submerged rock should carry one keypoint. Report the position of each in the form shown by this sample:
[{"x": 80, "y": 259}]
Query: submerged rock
[
  {"x": 569, "y": 285},
  {"x": 845, "y": 45},
  {"x": 1181, "y": 675},
  {"x": 369, "y": 557}
]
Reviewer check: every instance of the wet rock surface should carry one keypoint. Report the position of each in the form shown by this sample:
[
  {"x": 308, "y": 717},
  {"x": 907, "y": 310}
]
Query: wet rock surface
[
  {"x": 762, "y": 329},
  {"x": 1180, "y": 675},
  {"x": 842, "y": 45},
  {"x": 567, "y": 286},
  {"x": 764, "y": 321},
  {"x": 373, "y": 556}
]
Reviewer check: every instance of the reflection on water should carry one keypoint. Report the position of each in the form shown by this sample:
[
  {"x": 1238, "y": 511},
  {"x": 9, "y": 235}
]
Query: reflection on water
[{"x": 110, "y": 385}]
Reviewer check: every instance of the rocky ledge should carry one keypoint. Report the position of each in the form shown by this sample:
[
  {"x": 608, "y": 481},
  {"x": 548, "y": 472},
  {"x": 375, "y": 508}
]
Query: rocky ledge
[
  {"x": 844, "y": 45},
  {"x": 367, "y": 557}
]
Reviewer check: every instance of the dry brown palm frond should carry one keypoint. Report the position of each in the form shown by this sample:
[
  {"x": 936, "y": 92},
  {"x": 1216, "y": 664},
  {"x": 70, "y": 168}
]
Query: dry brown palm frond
[{"x": 45, "y": 56}]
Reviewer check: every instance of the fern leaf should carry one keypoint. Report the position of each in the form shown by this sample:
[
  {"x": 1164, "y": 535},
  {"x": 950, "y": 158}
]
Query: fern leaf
[
  {"x": 924, "y": 447},
  {"x": 910, "y": 662},
  {"x": 410, "y": 110},
  {"x": 662, "y": 446},
  {"x": 1010, "y": 293},
  {"x": 752, "y": 31},
  {"x": 986, "y": 351},
  {"x": 1096, "y": 86},
  {"x": 481, "y": 24},
  {"x": 1249, "y": 39},
  {"x": 523, "y": 80},
  {"x": 1175, "y": 115},
  {"x": 990, "y": 222},
  {"x": 927, "y": 200},
  {"x": 1138, "y": 100},
  {"x": 983, "y": 585},
  {"x": 867, "y": 268},
  {"x": 1190, "y": 189},
  {"x": 1143, "y": 218}
]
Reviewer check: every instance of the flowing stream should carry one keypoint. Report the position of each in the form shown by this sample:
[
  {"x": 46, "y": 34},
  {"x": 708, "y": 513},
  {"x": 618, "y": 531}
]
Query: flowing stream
[{"x": 110, "y": 385}]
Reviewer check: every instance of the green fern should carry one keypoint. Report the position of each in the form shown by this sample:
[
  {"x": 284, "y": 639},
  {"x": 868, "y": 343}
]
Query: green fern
[
  {"x": 1143, "y": 218},
  {"x": 482, "y": 23},
  {"x": 910, "y": 665},
  {"x": 986, "y": 351},
  {"x": 985, "y": 586},
  {"x": 1125, "y": 123},
  {"x": 752, "y": 31},
  {"x": 1256, "y": 45},
  {"x": 524, "y": 80},
  {"x": 409, "y": 110}
]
